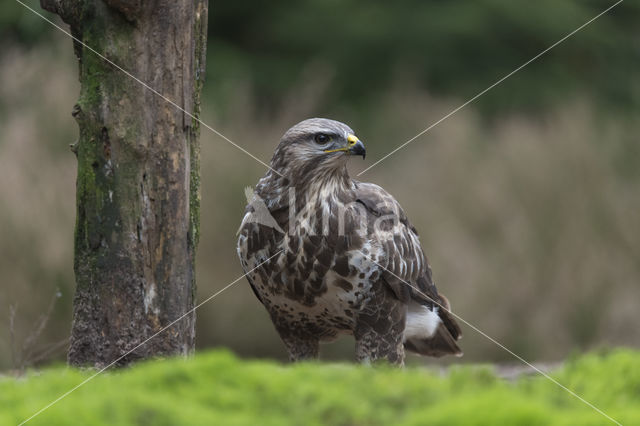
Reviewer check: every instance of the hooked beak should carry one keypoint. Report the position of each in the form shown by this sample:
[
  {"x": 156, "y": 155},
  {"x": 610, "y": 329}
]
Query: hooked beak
[{"x": 356, "y": 147}]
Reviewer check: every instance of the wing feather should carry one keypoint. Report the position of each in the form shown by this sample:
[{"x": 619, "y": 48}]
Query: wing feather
[{"x": 403, "y": 261}]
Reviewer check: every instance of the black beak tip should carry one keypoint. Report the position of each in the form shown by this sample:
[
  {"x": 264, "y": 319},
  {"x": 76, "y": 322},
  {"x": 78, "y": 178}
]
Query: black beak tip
[{"x": 358, "y": 149}]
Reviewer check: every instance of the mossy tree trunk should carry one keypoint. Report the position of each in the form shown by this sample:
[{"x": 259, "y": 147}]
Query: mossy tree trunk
[{"x": 138, "y": 175}]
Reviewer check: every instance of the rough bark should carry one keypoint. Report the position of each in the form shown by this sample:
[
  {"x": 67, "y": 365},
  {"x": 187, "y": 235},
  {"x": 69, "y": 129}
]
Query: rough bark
[{"x": 138, "y": 175}]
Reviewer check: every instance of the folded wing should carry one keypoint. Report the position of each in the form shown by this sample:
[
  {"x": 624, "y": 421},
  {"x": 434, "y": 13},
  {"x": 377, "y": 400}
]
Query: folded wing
[{"x": 430, "y": 327}]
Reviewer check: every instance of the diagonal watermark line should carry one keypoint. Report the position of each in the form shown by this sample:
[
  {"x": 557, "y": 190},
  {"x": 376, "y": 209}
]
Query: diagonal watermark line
[
  {"x": 189, "y": 312},
  {"x": 521, "y": 359},
  {"x": 146, "y": 86},
  {"x": 398, "y": 148}
]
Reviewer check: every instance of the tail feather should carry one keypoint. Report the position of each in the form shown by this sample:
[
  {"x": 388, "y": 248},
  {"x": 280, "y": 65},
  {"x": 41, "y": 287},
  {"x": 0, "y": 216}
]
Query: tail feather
[
  {"x": 440, "y": 344},
  {"x": 446, "y": 317},
  {"x": 427, "y": 341}
]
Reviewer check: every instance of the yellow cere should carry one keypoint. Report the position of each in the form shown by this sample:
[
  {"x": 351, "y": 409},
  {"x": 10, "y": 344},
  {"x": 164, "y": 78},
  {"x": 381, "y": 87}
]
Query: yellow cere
[{"x": 352, "y": 139}]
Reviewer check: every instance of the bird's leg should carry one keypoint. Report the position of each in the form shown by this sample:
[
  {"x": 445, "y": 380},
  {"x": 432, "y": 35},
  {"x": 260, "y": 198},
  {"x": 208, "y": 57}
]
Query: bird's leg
[
  {"x": 380, "y": 328},
  {"x": 300, "y": 346},
  {"x": 372, "y": 346},
  {"x": 301, "y": 349}
]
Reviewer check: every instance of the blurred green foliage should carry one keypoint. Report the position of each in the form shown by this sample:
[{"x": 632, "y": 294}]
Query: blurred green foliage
[
  {"x": 451, "y": 48},
  {"x": 216, "y": 387},
  {"x": 17, "y": 24}
]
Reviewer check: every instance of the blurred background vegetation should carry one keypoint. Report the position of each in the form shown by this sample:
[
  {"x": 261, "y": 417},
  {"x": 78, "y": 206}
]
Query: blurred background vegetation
[{"x": 527, "y": 201}]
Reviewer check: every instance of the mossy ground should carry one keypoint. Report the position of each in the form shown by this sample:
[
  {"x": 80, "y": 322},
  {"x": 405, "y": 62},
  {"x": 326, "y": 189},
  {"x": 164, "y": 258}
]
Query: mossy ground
[{"x": 218, "y": 388}]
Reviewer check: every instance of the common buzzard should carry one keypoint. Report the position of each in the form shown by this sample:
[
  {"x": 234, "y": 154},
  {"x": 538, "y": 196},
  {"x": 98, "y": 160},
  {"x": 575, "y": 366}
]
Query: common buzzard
[{"x": 326, "y": 255}]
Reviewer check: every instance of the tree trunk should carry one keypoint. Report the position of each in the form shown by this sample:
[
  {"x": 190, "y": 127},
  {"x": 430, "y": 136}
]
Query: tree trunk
[{"x": 138, "y": 175}]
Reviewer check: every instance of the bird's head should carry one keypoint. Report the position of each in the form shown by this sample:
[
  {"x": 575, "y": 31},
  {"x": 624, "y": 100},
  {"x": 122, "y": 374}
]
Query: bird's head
[{"x": 314, "y": 145}]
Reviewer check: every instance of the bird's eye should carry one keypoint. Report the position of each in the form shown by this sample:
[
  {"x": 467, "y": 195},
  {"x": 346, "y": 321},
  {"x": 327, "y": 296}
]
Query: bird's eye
[{"x": 322, "y": 139}]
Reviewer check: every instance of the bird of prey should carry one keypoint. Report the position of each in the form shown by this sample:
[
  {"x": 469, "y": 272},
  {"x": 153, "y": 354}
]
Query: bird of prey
[{"x": 343, "y": 257}]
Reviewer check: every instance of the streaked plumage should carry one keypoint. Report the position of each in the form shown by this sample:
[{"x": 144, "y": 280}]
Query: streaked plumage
[{"x": 347, "y": 254}]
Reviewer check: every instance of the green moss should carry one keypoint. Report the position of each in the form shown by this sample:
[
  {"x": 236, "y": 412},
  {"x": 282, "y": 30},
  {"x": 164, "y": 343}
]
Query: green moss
[
  {"x": 92, "y": 67},
  {"x": 194, "y": 192},
  {"x": 216, "y": 387},
  {"x": 97, "y": 204},
  {"x": 200, "y": 29},
  {"x": 194, "y": 202},
  {"x": 92, "y": 74}
]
